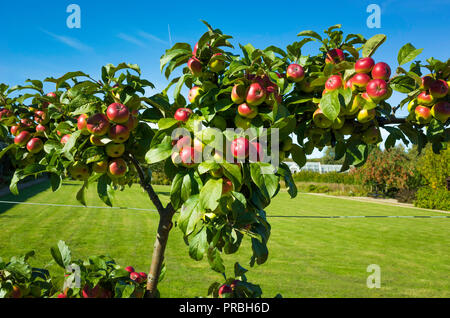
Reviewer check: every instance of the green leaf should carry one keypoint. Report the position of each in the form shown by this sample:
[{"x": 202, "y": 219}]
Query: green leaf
[
  {"x": 81, "y": 195},
  {"x": 298, "y": 155},
  {"x": 330, "y": 105},
  {"x": 61, "y": 254},
  {"x": 407, "y": 53},
  {"x": 210, "y": 194},
  {"x": 175, "y": 191},
  {"x": 6, "y": 149},
  {"x": 266, "y": 182},
  {"x": 166, "y": 123},
  {"x": 162, "y": 151},
  {"x": 198, "y": 245},
  {"x": 373, "y": 44},
  {"x": 55, "y": 180},
  {"x": 215, "y": 261},
  {"x": 285, "y": 172},
  {"x": 190, "y": 214},
  {"x": 311, "y": 34},
  {"x": 104, "y": 189}
]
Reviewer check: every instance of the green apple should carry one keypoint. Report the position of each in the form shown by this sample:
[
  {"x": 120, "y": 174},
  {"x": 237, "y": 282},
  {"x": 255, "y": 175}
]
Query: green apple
[
  {"x": 338, "y": 123},
  {"x": 321, "y": 120},
  {"x": 364, "y": 115}
]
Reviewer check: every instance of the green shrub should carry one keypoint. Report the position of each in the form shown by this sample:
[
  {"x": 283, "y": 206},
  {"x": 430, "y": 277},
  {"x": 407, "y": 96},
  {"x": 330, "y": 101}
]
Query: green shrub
[
  {"x": 429, "y": 198},
  {"x": 329, "y": 177}
]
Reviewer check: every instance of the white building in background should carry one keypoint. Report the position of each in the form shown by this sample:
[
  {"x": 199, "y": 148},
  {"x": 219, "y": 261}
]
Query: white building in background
[{"x": 313, "y": 166}]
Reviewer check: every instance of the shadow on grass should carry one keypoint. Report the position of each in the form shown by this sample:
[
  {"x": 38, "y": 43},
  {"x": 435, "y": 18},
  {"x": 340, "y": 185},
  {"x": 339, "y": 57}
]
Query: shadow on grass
[{"x": 24, "y": 195}]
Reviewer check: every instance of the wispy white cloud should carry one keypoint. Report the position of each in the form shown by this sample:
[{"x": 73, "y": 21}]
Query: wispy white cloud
[
  {"x": 72, "y": 42},
  {"x": 131, "y": 39},
  {"x": 151, "y": 37}
]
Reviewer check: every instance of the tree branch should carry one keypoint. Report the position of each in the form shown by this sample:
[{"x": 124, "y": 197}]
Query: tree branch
[
  {"x": 390, "y": 121},
  {"x": 147, "y": 185}
]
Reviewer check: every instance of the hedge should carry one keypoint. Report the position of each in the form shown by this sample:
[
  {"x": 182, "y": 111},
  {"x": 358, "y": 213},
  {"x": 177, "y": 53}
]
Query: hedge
[{"x": 429, "y": 198}]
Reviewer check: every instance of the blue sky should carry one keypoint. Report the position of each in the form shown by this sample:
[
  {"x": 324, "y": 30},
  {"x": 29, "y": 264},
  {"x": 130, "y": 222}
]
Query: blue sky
[{"x": 37, "y": 43}]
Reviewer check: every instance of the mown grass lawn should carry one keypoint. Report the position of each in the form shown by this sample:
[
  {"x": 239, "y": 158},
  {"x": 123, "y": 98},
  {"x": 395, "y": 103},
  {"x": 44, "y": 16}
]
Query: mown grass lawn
[{"x": 309, "y": 257}]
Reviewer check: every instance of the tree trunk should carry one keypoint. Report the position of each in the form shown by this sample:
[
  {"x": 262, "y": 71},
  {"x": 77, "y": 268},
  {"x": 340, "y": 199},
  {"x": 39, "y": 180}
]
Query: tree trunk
[
  {"x": 162, "y": 236},
  {"x": 165, "y": 225}
]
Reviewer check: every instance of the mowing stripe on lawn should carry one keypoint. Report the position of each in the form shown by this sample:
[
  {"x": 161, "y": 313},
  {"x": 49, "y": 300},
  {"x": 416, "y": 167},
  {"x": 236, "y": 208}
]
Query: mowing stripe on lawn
[
  {"x": 77, "y": 206},
  {"x": 270, "y": 216}
]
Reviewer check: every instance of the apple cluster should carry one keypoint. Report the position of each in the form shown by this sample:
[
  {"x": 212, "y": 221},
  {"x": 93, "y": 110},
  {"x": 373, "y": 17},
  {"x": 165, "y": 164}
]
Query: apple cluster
[
  {"x": 197, "y": 65},
  {"x": 369, "y": 86},
  {"x": 103, "y": 291},
  {"x": 432, "y": 101},
  {"x": 109, "y": 130},
  {"x": 31, "y": 131}
]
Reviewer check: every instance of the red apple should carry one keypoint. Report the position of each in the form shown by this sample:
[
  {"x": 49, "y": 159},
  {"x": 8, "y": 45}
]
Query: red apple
[
  {"x": 118, "y": 113},
  {"x": 335, "y": 56},
  {"x": 360, "y": 80},
  {"x": 295, "y": 73},
  {"x": 227, "y": 186},
  {"x": 35, "y": 145},
  {"x": 225, "y": 291},
  {"x": 425, "y": 99},
  {"x": 41, "y": 117},
  {"x": 439, "y": 88},
  {"x": 334, "y": 82},
  {"x": 82, "y": 124},
  {"x": 117, "y": 168},
  {"x": 441, "y": 111},
  {"x": 194, "y": 52},
  {"x": 15, "y": 130},
  {"x": 136, "y": 277},
  {"x": 119, "y": 133},
  {"x": 426, "y": 82},
  {"x": 194, "y": 94},
  {"x": 65, "y": 139},
  {"x": 381, "y": 71},
  {"x": 364, "y": 65},
  {"x": 247, "y": 111},
  {"x": 256, "y": 94},
  {"x": 240, "y": 148},
  {"x": 132, "y": 123},
  {"x": 423, "y": 114},
  {"x": 143, "y": 276},
  {"x": 238, "y": 93},
  {"x": 41, "y": 129},
  {"x": 22, "y": 138},
  {"x": 25, "y": 122},
  {"x": 256, "y": 152},
  {"x": 184, "y": 142},
  {"x": 187, "y": 156},
  {"x": 195, "y": 66},
  {"x": 182, "y": 114},
  {"x": 129, "y": 269},
  {"x": 98, "y": 124},
  {"x": 378, "y": 90}
]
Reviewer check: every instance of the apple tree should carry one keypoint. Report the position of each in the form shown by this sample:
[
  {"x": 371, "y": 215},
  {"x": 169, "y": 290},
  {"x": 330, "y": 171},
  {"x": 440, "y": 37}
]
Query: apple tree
[{"x": 214, "y": 145}]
